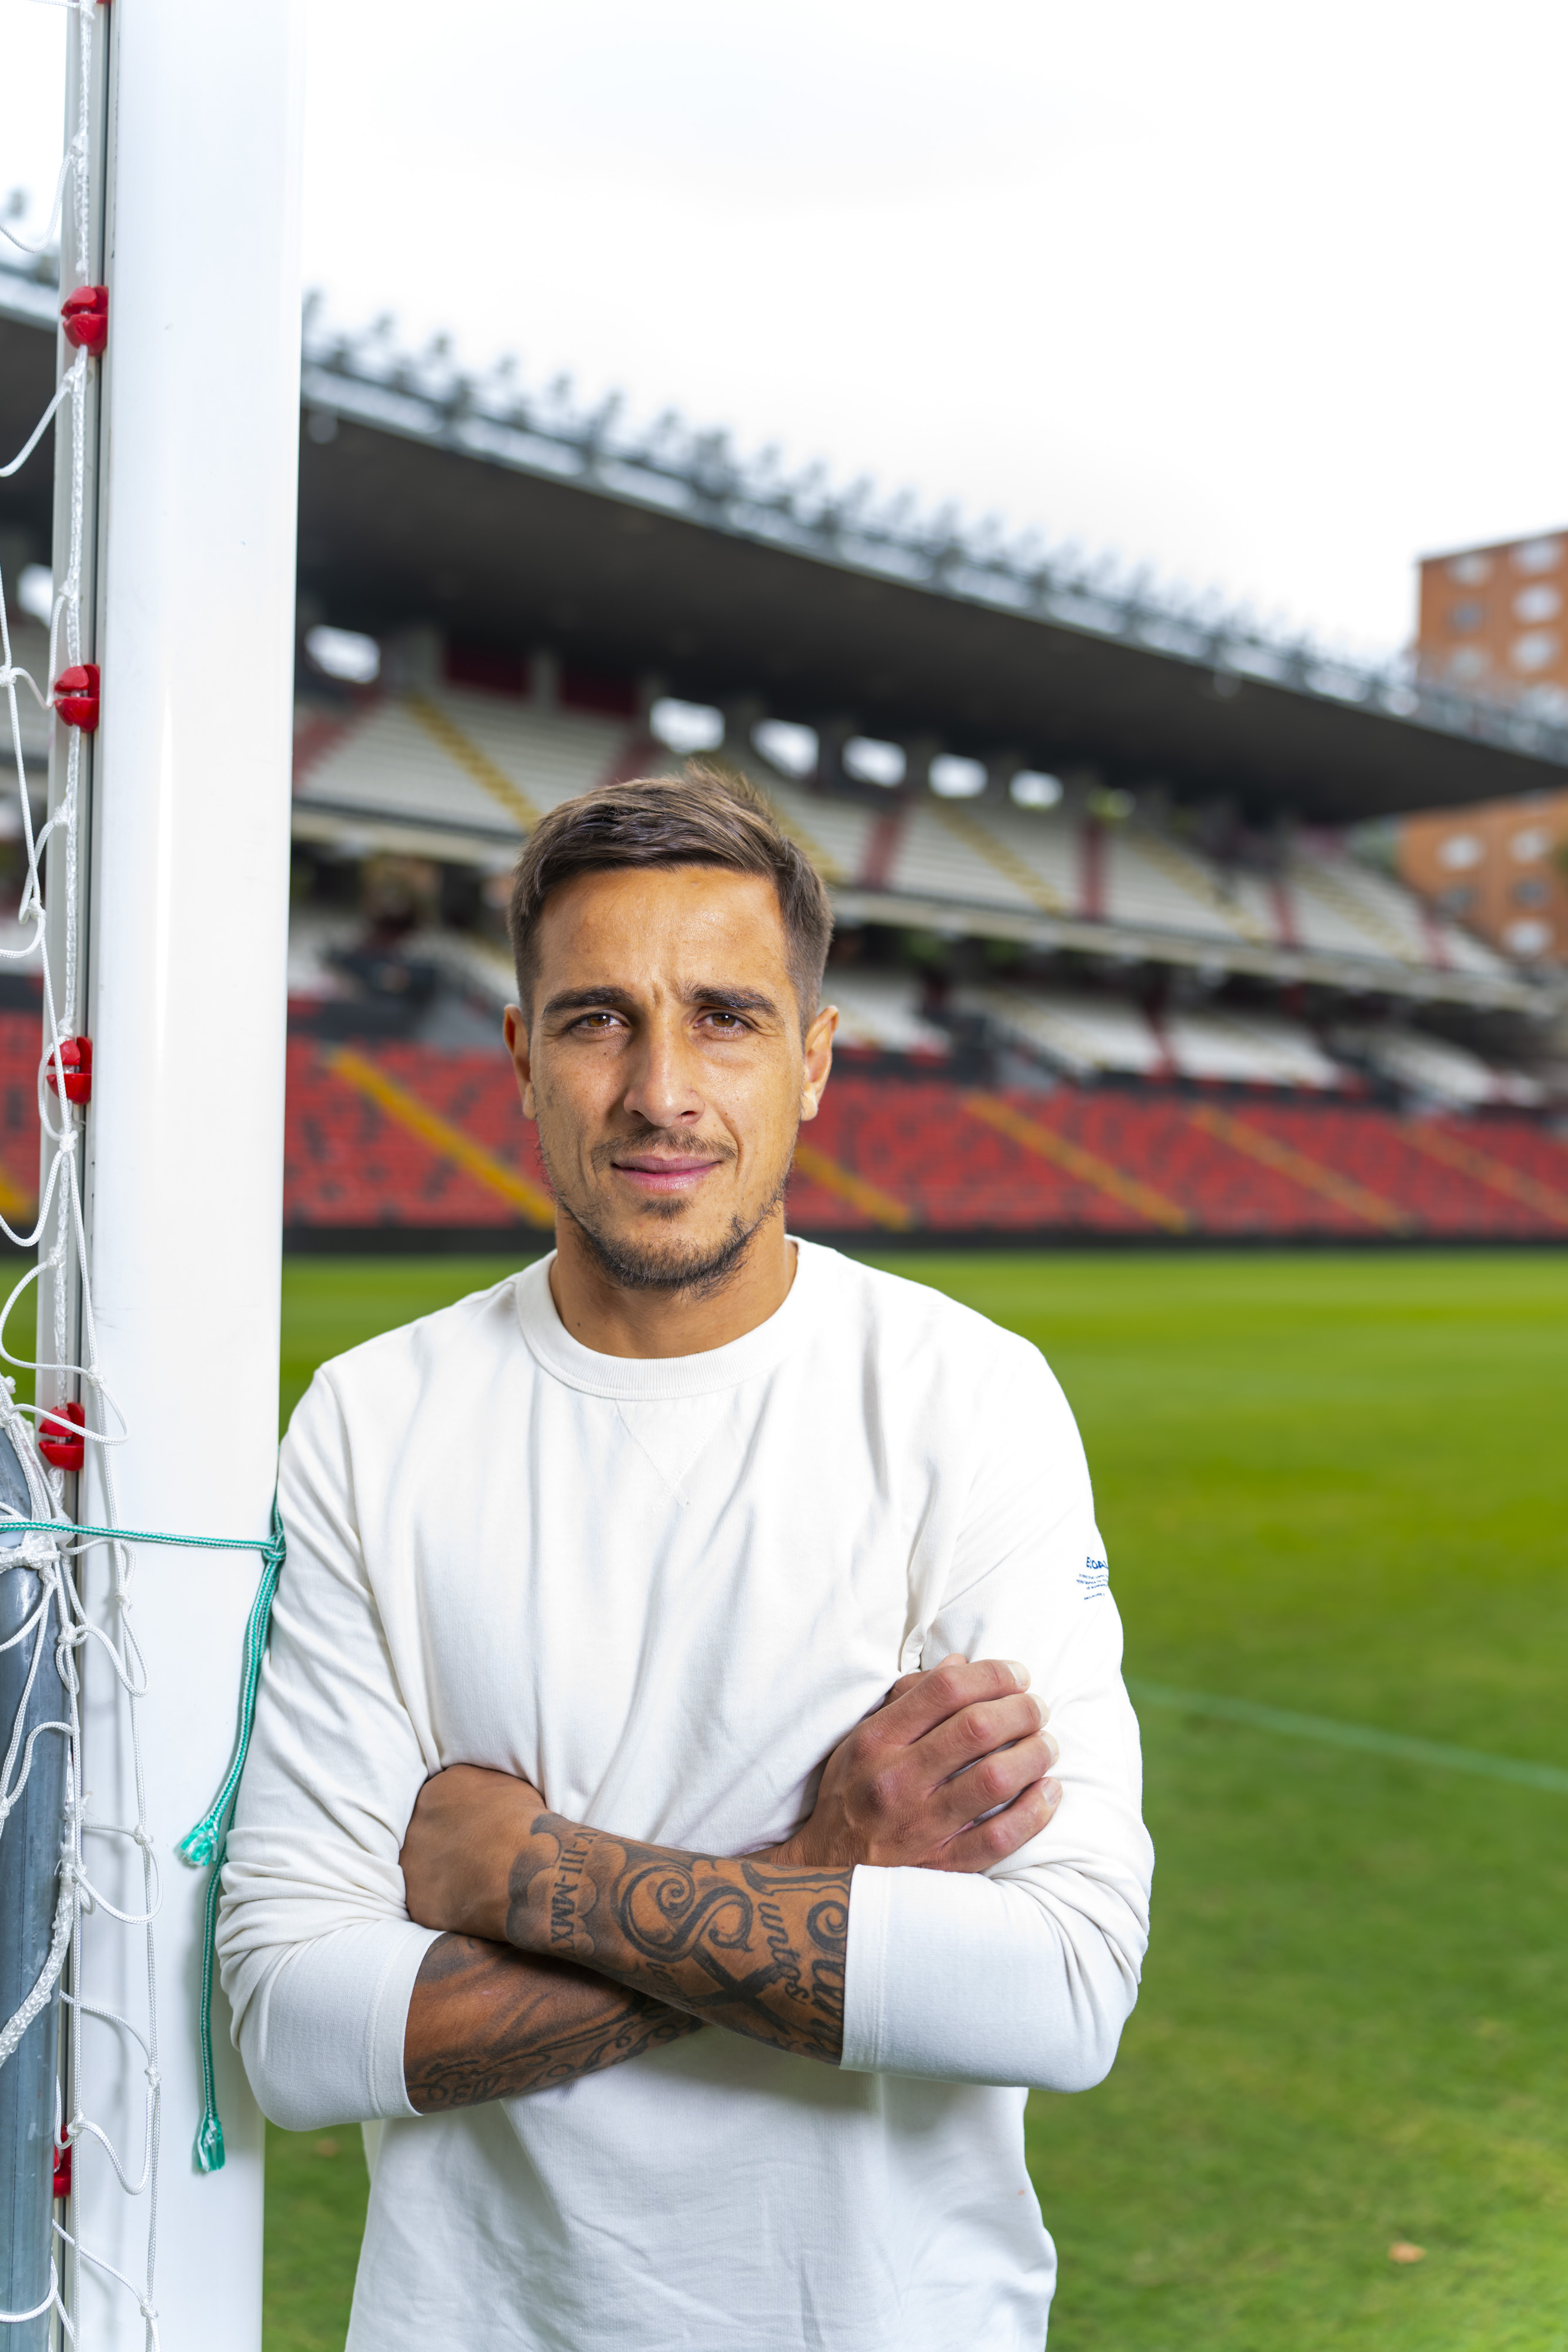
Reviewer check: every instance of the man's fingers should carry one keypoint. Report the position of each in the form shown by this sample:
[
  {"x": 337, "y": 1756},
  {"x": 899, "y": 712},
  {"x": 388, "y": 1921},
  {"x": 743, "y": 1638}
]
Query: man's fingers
[
  {"x": 930, "y": 1698},
  {"x": 975, "y": 1731},
  {"x": 985, "y": 1842},
  {"x": 907, "y": 1682},
  {"x": 992, "y": 1781}
]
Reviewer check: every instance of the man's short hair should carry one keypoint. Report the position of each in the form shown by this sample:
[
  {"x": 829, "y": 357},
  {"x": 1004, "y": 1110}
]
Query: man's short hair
[{"x": 704, "y": 816}]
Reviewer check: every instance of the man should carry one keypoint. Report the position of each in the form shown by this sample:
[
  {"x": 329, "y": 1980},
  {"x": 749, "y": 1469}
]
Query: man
[{"x": 651, "y": 1817}]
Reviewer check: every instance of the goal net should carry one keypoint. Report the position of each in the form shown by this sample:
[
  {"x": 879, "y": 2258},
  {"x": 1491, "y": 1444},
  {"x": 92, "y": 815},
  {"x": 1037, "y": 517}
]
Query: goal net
[{"x": 153, "y": 1370}]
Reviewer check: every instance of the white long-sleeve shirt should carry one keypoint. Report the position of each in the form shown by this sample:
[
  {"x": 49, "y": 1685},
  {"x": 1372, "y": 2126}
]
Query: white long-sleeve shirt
[{"x": 663, "y": 1591}]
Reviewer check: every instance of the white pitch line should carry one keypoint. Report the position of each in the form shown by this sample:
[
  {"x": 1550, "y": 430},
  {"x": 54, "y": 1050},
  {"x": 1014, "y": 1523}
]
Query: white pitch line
[{"x": 1329, "y": 1731}]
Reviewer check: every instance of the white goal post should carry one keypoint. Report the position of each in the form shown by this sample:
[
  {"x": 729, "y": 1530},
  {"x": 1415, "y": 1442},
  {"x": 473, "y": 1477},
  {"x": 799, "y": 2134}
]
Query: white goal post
[{"x": 183, "y": 506}]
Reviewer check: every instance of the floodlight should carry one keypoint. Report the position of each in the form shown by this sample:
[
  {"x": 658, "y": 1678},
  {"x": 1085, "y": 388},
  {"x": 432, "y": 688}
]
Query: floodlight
[
  {"x": 1032, "y": 789},
  {"x": 686, "y": 726},
  {"x": 956, "y": 779},
  {"x": 871, "y": 762},
  {"x": 794, "y": 748},
  {"x": 344, "y": 653}
]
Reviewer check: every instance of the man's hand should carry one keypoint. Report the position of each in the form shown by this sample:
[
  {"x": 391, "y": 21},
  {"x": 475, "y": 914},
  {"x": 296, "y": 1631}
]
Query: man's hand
[{"x": 910, "y": 1784}]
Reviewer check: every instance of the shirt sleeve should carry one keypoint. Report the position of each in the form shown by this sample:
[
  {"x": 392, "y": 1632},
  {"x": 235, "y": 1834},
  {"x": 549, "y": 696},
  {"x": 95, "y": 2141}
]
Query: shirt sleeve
[
  {"x": 317, "y": 1953},
  {"x": 1025, "y": 1975}
]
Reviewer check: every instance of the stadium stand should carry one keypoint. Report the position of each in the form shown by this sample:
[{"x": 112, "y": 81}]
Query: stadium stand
[
  {"x": 403, "y": 1135},
  {"x": 1119, "y": 1101},
  {"x": 441, "y": 764},
  {"x": 1118, "y": 957},
  {"x": 1122, "y": 1100}
]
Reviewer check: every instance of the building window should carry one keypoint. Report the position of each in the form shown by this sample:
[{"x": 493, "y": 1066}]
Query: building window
[
  {"x": 1538, "y": 555},
  {"x": 1469, "y": 616},
  {"x": 1470, "y": 570},
  {"x": 1461, "y": 852},
  {"x": 1459, "y": 899},
  {"x": 1468, "y": 664},
  {"x": 1537, "y": 603},
  {"x": 1539, "y": 650},
  {"x": 1534, "y": 890},
  {"x": 1528, "y": 936}
]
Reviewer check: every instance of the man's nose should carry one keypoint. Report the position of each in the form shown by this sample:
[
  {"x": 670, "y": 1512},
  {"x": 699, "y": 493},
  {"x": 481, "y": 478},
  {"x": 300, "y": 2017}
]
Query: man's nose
[{"x": 663, "y": 1088}]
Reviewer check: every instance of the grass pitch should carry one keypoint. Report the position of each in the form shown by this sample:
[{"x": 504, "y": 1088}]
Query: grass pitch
[{"x": 1339, "y": 1485}]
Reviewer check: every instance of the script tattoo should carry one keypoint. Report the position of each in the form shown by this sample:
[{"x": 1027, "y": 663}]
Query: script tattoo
[
  {"x": 487, "y": 2022},
  {"x": 754, "y": 1946}
]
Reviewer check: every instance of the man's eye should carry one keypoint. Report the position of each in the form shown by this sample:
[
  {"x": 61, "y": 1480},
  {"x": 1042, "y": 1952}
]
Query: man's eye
[{"x": 730, "y": 1021}]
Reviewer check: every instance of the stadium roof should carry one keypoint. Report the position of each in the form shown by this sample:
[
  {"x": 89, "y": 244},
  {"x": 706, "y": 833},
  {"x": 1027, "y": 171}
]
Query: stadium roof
[{"x": 431, "y": 496}]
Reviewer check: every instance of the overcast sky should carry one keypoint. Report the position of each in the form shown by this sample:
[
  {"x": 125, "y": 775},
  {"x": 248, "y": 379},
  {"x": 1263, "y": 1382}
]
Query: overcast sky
[{"x": 1267, "y": 295}]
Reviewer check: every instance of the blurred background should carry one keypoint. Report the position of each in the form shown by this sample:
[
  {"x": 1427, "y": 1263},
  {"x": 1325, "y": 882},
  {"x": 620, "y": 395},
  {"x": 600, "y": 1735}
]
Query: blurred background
[{"x": 1101, "y": 474}]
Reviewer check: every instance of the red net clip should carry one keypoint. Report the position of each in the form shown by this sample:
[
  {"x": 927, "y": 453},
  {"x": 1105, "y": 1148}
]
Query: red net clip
[
  {"x": 63, "y": 2170},
  {"x": 74, "y": 1073},
  {"x": 84, "y": 315},
  {"x": 76, "y": 696},
  {"x": 59, "y": 1442}
]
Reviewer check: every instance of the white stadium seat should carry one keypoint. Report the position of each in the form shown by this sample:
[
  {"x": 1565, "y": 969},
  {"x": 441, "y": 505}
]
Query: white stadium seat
[
  {"x": 1079, "y": 1032},
  {"x": 1258, "y": 1048},
  {"x": 1437, "y": 1069},
  {"x": 880, "y": 1011}
]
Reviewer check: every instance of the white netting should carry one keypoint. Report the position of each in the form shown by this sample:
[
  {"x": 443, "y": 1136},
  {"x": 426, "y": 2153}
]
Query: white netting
[{"x": 74, "y": 1617}]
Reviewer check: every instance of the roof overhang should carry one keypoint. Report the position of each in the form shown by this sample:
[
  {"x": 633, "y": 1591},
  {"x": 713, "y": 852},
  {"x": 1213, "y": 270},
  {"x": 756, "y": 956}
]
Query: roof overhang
[
  {"x": 415, "y": 509},
  {"x": 396, "y": 532},
  {"x": 1126, "y": 944}
]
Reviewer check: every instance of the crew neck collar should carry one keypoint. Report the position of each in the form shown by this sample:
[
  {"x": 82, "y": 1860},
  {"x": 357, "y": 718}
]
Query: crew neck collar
[{"x": 653, "y": 1377}]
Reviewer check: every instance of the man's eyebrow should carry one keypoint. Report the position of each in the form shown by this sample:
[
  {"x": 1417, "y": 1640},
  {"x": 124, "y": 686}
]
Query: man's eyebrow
[
  {"x": 584, "y": 1000},
  {"x": 594, "y": 1000},
  {"x": 732, "y": 1000}
]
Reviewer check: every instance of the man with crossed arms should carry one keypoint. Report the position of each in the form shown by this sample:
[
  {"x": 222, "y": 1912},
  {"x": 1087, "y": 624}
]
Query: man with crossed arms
[{"x": 650, "y": 1822}]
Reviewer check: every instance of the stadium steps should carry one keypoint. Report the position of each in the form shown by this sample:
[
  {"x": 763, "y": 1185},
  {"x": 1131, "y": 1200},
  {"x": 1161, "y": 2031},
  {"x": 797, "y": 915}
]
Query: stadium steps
[
  {"x": 348, "y": 1164},
  {"x": 1501, "y": 1174},
  {"x": 1224, "y": 1191},
  {"x": 416, "y": 1117},
  {"x": 1383, "y": 1153},
  {"x": 1038, "y": 1136},
  {"x": 1310, "y": 1175}
]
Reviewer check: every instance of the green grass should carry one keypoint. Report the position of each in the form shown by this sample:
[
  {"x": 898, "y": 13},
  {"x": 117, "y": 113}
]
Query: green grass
[{"x": 1339, "y": 1485}]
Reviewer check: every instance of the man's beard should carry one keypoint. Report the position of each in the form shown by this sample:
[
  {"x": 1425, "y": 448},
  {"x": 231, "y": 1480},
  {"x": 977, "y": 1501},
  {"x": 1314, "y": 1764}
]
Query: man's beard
[{"x": 662, "y": 1262}]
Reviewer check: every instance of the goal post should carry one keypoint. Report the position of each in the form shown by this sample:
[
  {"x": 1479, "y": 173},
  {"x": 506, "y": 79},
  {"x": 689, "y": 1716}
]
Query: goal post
[{"x": 177, "y": 475}]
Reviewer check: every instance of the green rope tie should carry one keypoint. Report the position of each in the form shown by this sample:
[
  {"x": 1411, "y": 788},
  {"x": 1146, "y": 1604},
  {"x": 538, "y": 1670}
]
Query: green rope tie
[{"x": 205, "y": 1846}]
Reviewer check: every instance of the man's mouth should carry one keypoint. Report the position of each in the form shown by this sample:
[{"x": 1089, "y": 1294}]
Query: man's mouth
[{"x": 657, "y": 1172}]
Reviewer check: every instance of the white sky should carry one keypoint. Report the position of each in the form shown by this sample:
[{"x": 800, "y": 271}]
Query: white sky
[{"x": 1268, "y": 295}]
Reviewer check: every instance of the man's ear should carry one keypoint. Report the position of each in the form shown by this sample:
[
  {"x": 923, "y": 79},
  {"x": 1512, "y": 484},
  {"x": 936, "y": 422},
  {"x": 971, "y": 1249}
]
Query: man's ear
[
  {"x": 514, "y": 1028},
  {"x": 818, "y": 1058}
]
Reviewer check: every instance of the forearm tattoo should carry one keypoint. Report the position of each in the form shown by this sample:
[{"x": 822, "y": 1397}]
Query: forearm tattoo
[
  {"x": 489, "y": 2022},
  {"x": 754, "y": 1946}
]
